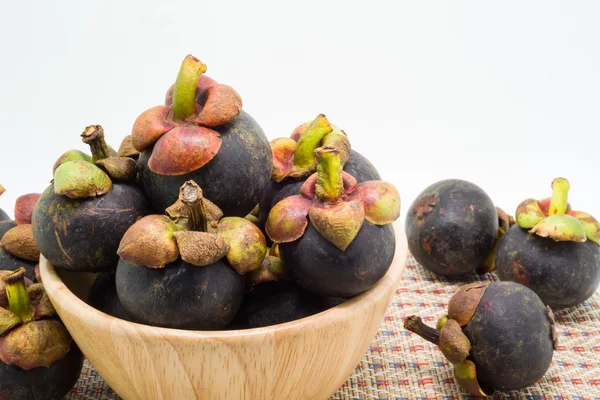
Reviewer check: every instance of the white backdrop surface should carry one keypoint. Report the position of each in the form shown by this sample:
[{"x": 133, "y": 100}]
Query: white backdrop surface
[{"x": 506, "y": 95}]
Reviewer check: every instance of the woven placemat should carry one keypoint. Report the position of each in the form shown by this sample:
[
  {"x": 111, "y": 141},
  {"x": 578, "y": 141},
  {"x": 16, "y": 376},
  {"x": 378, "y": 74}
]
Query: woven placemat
[{"x": 401, "y": 366}]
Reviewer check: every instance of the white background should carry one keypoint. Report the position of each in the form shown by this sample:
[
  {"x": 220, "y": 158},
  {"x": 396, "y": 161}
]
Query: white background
[{"x": 504, "y": 94}]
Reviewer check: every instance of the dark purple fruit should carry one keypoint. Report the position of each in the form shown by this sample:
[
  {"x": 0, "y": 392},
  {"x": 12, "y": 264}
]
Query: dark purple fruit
[
  {"x": 103, "y": 297},
  {"x": 335, "y": 238},
  {"x": 8, "y": 262},
  {"x": 498, "y": 335},
  {"x": 5, "y": 226},
  {"x": 553, "y": 250},
  {"x": 203, "y": 135},
  {"x": 181, "y": 295},
  {"x": 38, "y": 358},
  {"x": 3, "y": 216},
  {"x": 452, "y": 227},
  {"x": 273, "y": 303},
  {"x": 84, "y": 234},
  {"x": 186, "y": 270}
]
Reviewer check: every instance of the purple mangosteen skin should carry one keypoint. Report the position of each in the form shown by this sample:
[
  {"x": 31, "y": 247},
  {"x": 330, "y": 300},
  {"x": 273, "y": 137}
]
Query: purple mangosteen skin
[
  {"x": 234, "y": 179},
  {"x": 563, "y": 274},
  {"x": 9, "y": 262},
  {"x": 273, "y": 303},
  {"x": 103, "y": 297},
  {"x": 181, "y": 295},
  {"x": 3, "y": 216},
  {"x": 84, "y": 234},
  {"x": 511, "y": 337},
  {"x": 42, "y": 383},
  {"x": 357, "y": 165},
  {"x": 5, "y": 226},
  {"x": 452, "y": 227},
  {"x": 323, "y": 269}
]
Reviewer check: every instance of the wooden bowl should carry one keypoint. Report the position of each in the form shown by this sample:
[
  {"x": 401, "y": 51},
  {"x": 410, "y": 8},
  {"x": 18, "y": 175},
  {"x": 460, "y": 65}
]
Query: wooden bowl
[{"x": 308, "y": 358}]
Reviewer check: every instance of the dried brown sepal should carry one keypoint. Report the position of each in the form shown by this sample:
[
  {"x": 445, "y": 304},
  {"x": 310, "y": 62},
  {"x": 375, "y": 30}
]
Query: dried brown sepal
[
  {"x": 150, "y": 126},
  {"x": 40, "y": 302},
  {"x": 3, "y": 299},
  {"x": 119, "y": 168},
  {"x": 247, "y": 244},
  {"x": 381, "y": 201},
  {"x": 150, "y": 242},
  {"x": 463, "y": 304},
  {"x": 19, "y": 242},
  {"x": 126, "y": 149},
  {"x": 554, "y": 333},
  {"x": 24, "y": 206},
  {"x": 179, "y": 212},
  {"x": 184, "y": 149},
  {"x": 8, "y": 320},
  {"x": 288, "y": 219},
  {"x": 222, "y": 104},
  {"x": 339, "y": 223},
  {"x": 35, "y": 344},
  {"x": 454, "y": 344},
  {"x": 270, "y": 270},
  {"x": 282, "y": 150},
  {"x": 200, "y": 248},
  {"x": 466, "y": 376}
]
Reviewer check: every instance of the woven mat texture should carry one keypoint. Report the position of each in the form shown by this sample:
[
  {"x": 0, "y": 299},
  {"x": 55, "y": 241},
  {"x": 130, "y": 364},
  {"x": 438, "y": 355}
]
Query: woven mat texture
[{"x": 401, "y": 366}]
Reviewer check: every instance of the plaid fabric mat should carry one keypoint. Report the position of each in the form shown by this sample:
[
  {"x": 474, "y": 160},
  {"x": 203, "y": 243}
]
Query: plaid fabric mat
[{"x": 401, "y": 366}]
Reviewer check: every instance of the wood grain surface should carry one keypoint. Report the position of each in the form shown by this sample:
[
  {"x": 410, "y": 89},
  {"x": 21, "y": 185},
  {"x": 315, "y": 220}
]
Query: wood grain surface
[{"x": 305, "y": 359}]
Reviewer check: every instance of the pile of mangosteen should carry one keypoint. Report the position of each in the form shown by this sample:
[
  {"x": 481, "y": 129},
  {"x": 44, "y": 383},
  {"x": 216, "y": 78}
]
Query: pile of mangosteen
[{"x": 501, "y": 335}]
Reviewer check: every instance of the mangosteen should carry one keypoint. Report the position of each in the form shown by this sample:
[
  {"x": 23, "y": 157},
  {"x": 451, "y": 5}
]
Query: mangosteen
[
  {"x": 17, "y": 247},
  {"x": 38, "y": 358},
  {"x": 294, "y": 161},
  {"x": 335, "y": 238},
  {"x": 103, "y": 297},
  {"x": 553, "y": 250},
  {"x": 186, "y": 270},
  {"x": 498, "y": 335},
  {"x": 81, "y": 217},
  {"x": 202, "y": 134},
  {"x": 452, "y": 228}
]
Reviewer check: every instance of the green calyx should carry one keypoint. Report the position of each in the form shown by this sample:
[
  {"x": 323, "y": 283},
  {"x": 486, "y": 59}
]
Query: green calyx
[
  {"x": 529, "y": 214},
  {"x": 80, "y": 179},
  {"x": 561, "y": 228},
  {"x": 17, "y": 295},
  {"x": 304, "y": 157},
  {"x": 330, "y": 186},
  {"x": 590, "y": 225},
  {"x": 71, "y": 155},
  {"x": 184, "y": 91},
  {"x": 560, "y": 192}
]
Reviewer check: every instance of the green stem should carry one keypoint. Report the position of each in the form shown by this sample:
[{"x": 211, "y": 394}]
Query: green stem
[
  {"x": 18, "y": 298},
  {"x": 310, "y": 140},
  {"x": 93, "y": 135},
  {"x": 191, "y": 195},
  {"x": 330, "y": 185},
  {"x": 416, "y": 325},
  {"x": 560, "y": 191},
  {"x": 184, "y": 92}
]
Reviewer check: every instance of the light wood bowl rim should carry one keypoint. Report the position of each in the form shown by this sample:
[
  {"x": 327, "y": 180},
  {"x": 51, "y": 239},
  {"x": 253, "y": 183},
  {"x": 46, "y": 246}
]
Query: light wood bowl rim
[{"x": 59, "y": 292}]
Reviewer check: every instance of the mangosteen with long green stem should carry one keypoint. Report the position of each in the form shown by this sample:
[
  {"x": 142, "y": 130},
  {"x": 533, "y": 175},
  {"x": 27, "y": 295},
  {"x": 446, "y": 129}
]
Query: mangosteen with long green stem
[
  {"x": 203, "y": 135},
  {"x": 553, "y": 250},
  {"x": 17, "y": 247},
  {"x": 498, "y": 335},
  {"x": 81, "y": 217},
  {"x": 186, "y": 270},
  {"x": 335, "y": 238},
  {"x": 294, "y": 161},
  {"x": 38, "y": 358},
  {"x": 453, "y": 227}
]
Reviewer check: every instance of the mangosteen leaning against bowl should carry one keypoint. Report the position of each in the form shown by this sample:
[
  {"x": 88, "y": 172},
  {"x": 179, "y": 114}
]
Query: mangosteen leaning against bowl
[
  {"x": 203, "y": 135},
  {"x": 38, "y": 358},
  {"x": 498, "y": 335},
  {"x": 80, "y": 218},
  {"x": 186, "y": 270},
  {"x": 553, "y": 250},
  {"x": 294, "y": 161},
  {"x": 335, "y": 238},
  {"x": 452, "y": 228}
]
